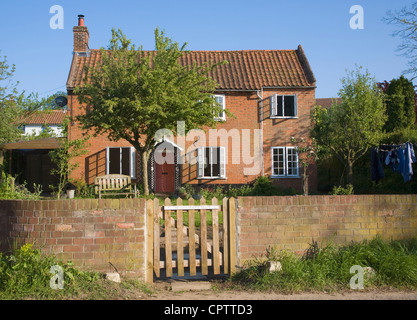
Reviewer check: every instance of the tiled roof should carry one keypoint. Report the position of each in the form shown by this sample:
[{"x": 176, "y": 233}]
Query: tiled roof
[
  {"x": 246, "y": 70},
  {"x": 46, "y": 117},
  {"x": 327, "y": 102}
]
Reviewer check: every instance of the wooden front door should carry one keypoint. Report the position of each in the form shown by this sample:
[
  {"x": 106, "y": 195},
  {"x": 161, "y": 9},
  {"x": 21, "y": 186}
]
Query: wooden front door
[{"x": 165, "y": 174}]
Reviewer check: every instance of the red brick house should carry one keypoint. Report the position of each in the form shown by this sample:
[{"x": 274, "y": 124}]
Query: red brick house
[{"x": 270, "y": 93}]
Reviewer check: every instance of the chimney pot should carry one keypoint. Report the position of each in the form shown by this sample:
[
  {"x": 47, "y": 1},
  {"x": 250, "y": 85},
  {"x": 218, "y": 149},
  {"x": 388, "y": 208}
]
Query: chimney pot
[{"x": 81, "y": 20}]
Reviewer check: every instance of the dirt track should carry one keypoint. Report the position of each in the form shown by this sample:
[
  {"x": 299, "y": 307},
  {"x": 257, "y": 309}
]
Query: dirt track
[{"x": 163, "y": 292}]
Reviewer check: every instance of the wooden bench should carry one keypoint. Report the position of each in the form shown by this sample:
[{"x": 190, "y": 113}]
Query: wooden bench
[{"x": 114, "y": 184}]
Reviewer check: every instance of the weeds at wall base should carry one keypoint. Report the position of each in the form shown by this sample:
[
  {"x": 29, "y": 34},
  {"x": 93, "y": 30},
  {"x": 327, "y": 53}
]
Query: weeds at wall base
[
  {"x": 327, "y": 268},
  {"x": 25, "y": 274}
]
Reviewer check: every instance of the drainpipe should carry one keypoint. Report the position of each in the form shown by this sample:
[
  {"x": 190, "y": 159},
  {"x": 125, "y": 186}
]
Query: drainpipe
[{"x": 262, "y": 126}]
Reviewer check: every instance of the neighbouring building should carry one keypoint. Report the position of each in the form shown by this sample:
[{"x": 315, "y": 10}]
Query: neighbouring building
[{"x": 45, "y": 120}]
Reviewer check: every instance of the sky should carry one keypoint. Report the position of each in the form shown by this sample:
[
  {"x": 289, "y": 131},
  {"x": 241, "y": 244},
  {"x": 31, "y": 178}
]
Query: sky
[{"x": 42, "y": 54}]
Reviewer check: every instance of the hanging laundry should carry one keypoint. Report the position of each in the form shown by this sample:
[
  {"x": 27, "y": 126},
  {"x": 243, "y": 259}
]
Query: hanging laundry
[
  {"x": 409, "y": 159},
  {"x": 398, "y": 157},
  {"x": 401, "y": 159},
  {"x": 392, "y": 160},
  {"x": 377, "y": 171},
  {"x": 413, "y": 155}
]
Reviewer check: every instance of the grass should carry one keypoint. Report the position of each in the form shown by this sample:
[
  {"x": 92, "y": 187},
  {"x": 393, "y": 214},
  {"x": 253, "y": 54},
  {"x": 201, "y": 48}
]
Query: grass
[
  {"x": 327, "y": 268},
  {"x": 25, "y": 274}
]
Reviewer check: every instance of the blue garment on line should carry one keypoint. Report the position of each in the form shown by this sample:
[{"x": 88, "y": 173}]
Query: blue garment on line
[
  {"x": 401, "y": 161},
  {"x": 377, "y": 171},
  {"x": 409, "y": 158}
]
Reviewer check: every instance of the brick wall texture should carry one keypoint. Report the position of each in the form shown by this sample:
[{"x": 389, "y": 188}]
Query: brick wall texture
[
  {"x": 292, "y": 223},
  {"x": 89, "y": 232}
]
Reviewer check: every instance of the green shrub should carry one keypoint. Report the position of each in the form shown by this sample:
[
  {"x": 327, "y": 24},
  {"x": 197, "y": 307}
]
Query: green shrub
[
  {"x": 339, "y": 190},
  {"x": 212, "y": 192},
  {"x": 245, "y": 190},
  {"x": 26, "y": 273},
  {"x": 83, "y": 190},
  {"x": 10, "y": 190},
  {"x": 263, "y": 186},
  {"x": 186, "y": 191}
]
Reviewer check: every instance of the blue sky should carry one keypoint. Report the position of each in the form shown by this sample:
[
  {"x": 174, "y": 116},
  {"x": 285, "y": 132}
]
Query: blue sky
[{"x": 43, "y": 55}]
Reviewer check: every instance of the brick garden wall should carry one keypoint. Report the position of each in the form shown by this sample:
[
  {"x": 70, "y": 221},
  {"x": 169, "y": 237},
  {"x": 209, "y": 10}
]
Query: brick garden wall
[
  {"x": 89, "y": 232},
  {"x": 93, "y": 232},
  {"x": 291, "y": 223}
]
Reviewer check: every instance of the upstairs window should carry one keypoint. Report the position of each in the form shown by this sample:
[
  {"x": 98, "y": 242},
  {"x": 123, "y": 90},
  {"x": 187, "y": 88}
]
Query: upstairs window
[
  {"x": 221, "y": 100},
  {"x": 283, "y": 106}
]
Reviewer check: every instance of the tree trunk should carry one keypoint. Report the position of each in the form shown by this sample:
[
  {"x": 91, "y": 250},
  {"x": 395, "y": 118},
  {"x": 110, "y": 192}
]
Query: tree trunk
[
  {"x": 145, "y": 157},
  {"x": 350, "y": 172},
  {"x": 305, "y": 185},
  {"x": 1, "y": 164}
]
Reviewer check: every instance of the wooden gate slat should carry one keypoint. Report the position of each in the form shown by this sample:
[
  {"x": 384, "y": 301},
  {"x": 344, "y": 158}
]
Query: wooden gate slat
[
  {"x": 225, "y": 237},
  {"x": 168, "y": 247},
  {"x": 216, "y": 249},
  {"x": 232, "y": 235},
  {"x": 180, "y": 246},
  {"x": 203, "y": 239},
  {"x": 191, "y": 239},
  {"x": 156, "y": 237}
]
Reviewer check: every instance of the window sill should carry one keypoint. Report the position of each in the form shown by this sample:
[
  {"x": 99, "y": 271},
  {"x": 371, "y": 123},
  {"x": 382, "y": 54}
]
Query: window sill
[
  {"x": 212, "y": 178},
  {"x": 277, "y": 117},
  {"x": 286, "y": 177}
]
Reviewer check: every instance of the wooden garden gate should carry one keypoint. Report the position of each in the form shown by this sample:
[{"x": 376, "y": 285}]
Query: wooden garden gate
[{"x": 190, "y": 239}]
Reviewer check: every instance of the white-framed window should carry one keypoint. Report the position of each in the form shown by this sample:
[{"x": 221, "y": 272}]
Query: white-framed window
[
  {"x": 283, "y": 106},
  {"x": 211, "y": 162},
  {"x": 284, "y": 162},
  {"x": 220, "y": 99},
  {"x": 121, "y": 161}
]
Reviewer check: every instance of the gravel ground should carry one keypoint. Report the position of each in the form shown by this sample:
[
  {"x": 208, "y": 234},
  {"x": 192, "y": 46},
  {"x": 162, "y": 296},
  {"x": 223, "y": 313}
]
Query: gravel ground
[{"x": 163, "y": 292}]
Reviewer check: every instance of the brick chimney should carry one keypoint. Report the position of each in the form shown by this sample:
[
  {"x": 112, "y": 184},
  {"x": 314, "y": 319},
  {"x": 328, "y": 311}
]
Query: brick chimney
[{"x": 81, "y": 37}]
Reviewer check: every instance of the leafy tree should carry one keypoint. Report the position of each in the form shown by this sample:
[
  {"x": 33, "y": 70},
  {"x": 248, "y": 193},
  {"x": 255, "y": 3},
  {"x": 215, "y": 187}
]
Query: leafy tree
[
  {"x": 14, "y": 106},
  {"x": 307, "y": 154},
  {"x": 347, "y": 130},
  {"x": 406, "y": 21},
  {"x": 9, "y": 107},
  {"x": 400, "y": 104},
  {"x": 63, "y": 156},
  {"x": 134, "y": 93}
]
